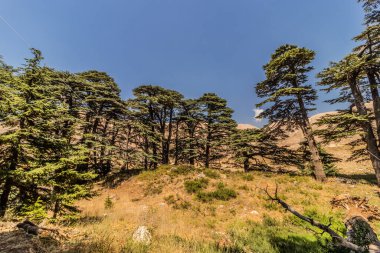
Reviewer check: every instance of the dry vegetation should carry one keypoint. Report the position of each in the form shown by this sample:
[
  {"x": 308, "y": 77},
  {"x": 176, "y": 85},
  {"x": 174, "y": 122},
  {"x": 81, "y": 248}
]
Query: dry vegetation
[{"x": 181, "y": 223}]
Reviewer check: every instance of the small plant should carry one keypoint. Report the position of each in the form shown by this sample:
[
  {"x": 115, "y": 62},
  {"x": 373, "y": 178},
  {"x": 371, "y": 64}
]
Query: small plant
[
  {"x": 211, "y": 173},
  {"x": 221, "y": 193},
  {"x": 181, "y": 170},
  {"x": 108, "y": 203},
  {"x": 154, "y": 188},
  {"x": 35, "y": 212},
  {"x": 224, "y": 193},
  {"x": 247, "y": 177},
  {"x": 177, "y": 202},
  {"x": 170, "y": 200},
  {"x": 205, "y": 197},
  {"x": 244, "y": 188},
  {"x": 196, "y": 185}
]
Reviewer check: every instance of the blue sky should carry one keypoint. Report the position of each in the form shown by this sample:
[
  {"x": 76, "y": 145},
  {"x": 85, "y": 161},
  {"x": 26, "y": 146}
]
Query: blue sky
[{"x": 193, "y": 46}]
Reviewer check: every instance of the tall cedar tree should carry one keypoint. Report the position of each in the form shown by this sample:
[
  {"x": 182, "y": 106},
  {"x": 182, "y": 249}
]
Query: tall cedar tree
[
  {"x": 38, "y": 162},
  {"x": 156, "y": 108},
  {"x": 217, "y": 127},
  {"x": 289, "y": 98},
  {"x": 354, "y": 77},
  {"x": 339, "y": 76},
  {"x": 103, "y": 109},
  {"x": 190, "y": 118},
  {"x": 29, "y": 108}
]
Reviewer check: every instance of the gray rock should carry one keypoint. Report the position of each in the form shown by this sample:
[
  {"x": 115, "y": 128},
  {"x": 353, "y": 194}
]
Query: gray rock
[{"x": 142, "y": 235}]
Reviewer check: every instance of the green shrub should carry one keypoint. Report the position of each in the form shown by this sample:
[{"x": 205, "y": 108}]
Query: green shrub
[
  {"x": 196, "y": 185},
  {"x": 247, "y": 177},
  {"x": 181, "y": 170},
  {"x": 35, "y": 212},
  {"x": 177, "y": 202},
  {"x": 205, "y": 196},
  {"x": 108, "y": 203},
  {"x": 212, "y": 173},
  {"x": 221, "y": 193},
  {"x": 224, "y": 193}
]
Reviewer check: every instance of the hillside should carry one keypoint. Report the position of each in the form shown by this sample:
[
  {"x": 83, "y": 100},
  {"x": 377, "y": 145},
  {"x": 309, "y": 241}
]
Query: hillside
[{"x": 180, "y": 221}]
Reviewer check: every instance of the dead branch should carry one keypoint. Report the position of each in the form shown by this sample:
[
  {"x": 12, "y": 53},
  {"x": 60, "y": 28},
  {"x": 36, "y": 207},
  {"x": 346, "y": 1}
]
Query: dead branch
[
  {"x": 31, "y": 228},
  {"x": 337, "y": 239}
]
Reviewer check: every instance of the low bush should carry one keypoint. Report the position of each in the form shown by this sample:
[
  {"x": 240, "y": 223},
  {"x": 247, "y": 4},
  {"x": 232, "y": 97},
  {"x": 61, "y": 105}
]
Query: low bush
[
  {"x": 196, "y": 185},
  {"x": 181, "y": 170},
  {"x": 211, "y": 174},
  {"x": 221, "y": 193},
  {"x": 247, "y": 177}
]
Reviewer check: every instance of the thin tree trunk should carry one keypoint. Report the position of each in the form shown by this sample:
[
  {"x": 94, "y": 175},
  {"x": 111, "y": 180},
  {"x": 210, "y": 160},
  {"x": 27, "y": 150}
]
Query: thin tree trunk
[
  {"x": 246, "y": 164},
  {"x": 5, "y": 196},
  {"x": 176, "y": 152},
  {"x": 168, "y": 140},
  {"x": 375, "y": 100},
  {"x": 57, "y": 207}
]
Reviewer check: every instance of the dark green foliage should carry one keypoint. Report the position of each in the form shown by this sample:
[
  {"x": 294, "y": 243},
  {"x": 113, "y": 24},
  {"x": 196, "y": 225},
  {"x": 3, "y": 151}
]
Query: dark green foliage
[
  {"x": 259, "y": 147},
  {"x": 356, "y": 78},
  {"x": 196, "y": 185},
  {"x": 224, "y": 193},
  {"x": 217, "y": 127},
  {"x": 289, "y": 98}
]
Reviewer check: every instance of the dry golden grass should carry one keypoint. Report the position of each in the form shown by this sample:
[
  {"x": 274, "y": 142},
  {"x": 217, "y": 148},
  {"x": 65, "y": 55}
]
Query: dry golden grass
[{"x": 141, "y": 201}]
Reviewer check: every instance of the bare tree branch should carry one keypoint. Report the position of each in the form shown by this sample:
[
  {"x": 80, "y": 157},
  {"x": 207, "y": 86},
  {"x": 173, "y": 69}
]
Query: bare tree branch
[{"x": 337, "y": 239}]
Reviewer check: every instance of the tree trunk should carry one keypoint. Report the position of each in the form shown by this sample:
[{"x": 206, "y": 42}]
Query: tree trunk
[
  {"x": 57, "y": 207},
  {"x": 308, "y": 133},
  {"x": 5, "y": 196},
  {"x": 168, "y": 140},
  {"x": 375, "y": 100},
  {"x": 246, "y": 164},
  {"x": 369, "y": 135},
  {"x": 176, "y": 151}
]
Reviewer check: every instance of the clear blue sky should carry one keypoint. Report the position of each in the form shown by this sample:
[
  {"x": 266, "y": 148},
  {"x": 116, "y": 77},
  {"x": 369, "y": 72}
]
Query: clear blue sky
[{"x": 193, "y": 46}]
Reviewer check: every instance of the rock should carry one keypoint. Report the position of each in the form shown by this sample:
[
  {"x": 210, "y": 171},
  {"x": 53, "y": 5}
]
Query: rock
[
  {"x": 142, "y": 235},
  {"x": 223, "y": 176},
  {"x": 254, "y": 212},
  {"x": 201, "y": 175}
]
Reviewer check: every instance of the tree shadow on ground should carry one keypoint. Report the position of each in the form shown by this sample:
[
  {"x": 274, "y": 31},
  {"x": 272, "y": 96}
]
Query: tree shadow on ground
[
  {"x": 299, "y": 244},
  {"x": 357, "y": 178},
  {"x": 115, "y": 179},
  {"x": 17, "y": 241}
]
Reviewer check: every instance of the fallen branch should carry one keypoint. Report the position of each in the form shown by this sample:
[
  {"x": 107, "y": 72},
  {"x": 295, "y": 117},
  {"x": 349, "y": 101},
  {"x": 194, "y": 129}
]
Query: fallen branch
[
  {"x": 337, "y": 239},
  {"x": 33, "y": 229}
]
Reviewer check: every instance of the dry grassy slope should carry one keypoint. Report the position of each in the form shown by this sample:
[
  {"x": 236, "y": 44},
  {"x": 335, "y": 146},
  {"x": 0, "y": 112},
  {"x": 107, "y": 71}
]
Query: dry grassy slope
[{"x": 141, "y": 201}]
